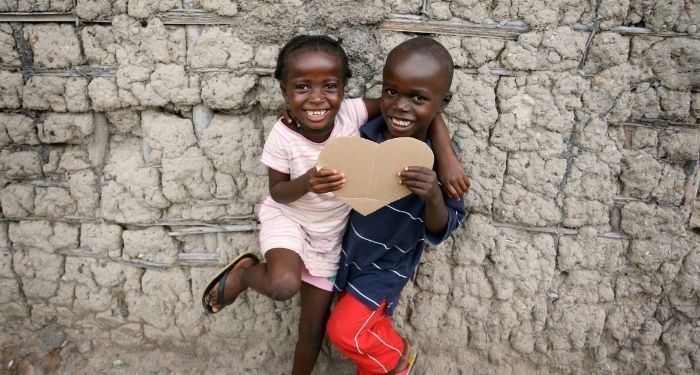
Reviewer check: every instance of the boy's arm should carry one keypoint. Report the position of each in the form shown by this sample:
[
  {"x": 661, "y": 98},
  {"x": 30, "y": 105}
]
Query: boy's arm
[
  {"x": 436, "y": 215},
  {"x": 284, "y": 190},
  {"x": 452, "y": 175},
  {"x": 441, "y": 216},
  {"x": 423, "y": 182}
]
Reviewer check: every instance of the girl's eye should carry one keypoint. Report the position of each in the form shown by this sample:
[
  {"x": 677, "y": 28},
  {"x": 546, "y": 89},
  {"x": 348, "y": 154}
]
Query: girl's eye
[
  {"x": 331, "y": 86},
  {"x": 390, "y": 92},
  {"x": 418, "y": 99},
  {"x": 301, "y": 86}
]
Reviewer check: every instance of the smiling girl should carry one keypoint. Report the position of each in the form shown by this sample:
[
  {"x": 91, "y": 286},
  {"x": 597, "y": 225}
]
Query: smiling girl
[{"x": 302, "y": 222}]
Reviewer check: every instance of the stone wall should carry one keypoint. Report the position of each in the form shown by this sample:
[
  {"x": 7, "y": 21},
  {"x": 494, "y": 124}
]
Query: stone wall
[{"x": 130, "y": 138}]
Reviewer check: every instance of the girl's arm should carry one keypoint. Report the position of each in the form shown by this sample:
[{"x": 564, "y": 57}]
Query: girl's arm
[
  {"x": 284, "y": 190},
  {"x": 450, "y": 171},
  {"x": 372, "y": 105}
]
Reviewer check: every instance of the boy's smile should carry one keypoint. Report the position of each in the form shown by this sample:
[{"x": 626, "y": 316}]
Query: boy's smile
[
  {"x": 313, "y": 91},
  {"x": 414, "y": 90}
]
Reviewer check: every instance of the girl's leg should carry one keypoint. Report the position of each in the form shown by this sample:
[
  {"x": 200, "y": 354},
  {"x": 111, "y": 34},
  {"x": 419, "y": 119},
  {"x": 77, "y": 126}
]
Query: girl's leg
[
  {"x": 279, "y": 278},
  {"x": 315, "y": 309}
]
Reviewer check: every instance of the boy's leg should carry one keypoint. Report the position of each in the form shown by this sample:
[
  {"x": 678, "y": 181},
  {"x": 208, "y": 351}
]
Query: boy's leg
[
  {"x": 315, "y": 309},
  {"x": 366, "y": 336}
]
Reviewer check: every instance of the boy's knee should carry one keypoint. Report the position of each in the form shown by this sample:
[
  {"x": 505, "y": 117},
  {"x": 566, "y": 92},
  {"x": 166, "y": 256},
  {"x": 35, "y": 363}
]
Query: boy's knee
[{"x": 284, "y": 286}]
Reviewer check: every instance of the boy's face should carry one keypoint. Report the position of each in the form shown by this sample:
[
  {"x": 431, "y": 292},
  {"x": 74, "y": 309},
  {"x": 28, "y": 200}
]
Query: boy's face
[{"x": 414, "y": 90}]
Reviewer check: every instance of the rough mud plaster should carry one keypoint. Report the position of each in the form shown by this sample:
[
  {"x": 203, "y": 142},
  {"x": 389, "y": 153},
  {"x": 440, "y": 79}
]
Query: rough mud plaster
[
  {"x": 92, "y": 9},
  {"x": 581, "y": 251},
  {"x": 18, "y": 129},
  {"x": 8, "y": 50},
  {"x": 54, "y": 46},
  {"x": 144, "y": 8},
  {"x": 36, "y": 5},
  {"x": 216, "y": 48},
  {"x": 130, "y": 190},
  {"x": 11, "y": 87},
  {"x": 58, "y": 94}
]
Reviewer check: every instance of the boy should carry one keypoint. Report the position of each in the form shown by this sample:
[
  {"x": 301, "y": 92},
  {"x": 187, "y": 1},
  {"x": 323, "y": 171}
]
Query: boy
[{"x": 380, "y": 251}]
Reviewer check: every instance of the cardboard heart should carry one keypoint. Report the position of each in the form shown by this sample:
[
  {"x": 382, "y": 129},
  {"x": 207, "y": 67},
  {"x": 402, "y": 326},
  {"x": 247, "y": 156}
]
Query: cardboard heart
[{"x": 371, "y": 169}]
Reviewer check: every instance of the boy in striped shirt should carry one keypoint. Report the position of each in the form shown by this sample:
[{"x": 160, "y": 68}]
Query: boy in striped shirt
[{"x": 380, "y": 251}]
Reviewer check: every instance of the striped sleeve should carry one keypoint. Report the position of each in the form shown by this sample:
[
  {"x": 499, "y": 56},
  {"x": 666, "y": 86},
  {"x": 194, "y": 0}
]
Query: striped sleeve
[
  {"x": 274, "y": 153},
  {"x": 456, "y": 213}
]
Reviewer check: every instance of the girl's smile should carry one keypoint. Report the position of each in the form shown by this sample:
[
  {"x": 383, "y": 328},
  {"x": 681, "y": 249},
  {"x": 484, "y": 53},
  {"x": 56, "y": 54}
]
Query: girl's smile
[{"x": 313, "y": 90}]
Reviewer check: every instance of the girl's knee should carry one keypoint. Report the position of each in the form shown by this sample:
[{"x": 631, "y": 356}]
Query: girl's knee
[{"x": 284, "y": 286}]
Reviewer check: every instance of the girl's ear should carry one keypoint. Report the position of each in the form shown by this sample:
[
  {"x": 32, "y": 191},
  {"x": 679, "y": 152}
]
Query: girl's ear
[
  {"x": 284, "y": 91},
  {"x": 445, "y": 101}
]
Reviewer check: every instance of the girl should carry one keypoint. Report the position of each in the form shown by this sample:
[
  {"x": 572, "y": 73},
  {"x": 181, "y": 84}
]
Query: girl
[{"x": 301, "y": 224}]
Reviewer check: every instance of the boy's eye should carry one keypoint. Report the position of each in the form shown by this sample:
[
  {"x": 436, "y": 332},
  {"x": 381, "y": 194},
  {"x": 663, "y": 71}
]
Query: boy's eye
[
  {"x": 418, "y": 99},
  {"x": 301, "y": 86},
  {"x": 390, "y": 92},
  {"x": 331, "y": 86}
]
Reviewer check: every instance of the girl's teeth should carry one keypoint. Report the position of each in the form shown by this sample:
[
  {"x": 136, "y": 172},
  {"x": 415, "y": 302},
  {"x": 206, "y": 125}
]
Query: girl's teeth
[{"x": 315, "y": 113}]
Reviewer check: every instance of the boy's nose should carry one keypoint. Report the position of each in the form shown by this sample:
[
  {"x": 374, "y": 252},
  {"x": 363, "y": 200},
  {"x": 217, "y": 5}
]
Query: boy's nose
[{"x": 401, "y": 104}]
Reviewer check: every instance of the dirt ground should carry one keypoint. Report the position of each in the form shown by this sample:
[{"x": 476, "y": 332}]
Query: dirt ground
[{"x": 50, "y": 351}]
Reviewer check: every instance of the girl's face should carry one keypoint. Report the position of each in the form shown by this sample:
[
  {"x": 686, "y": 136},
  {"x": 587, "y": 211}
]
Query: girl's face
[{"x": 313, "y": 89}]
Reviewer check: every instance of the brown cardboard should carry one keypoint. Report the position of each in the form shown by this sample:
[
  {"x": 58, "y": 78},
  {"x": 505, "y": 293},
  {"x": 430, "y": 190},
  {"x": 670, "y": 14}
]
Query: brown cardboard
[{"x": 371, "y": 169}]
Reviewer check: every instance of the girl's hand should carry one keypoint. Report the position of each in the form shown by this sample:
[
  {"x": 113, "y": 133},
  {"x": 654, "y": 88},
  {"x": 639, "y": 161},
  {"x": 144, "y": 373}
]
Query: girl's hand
[
  {"x": 422, "y": 182},
  {"x": 455, "y": 181},
  {"x": 324, "y": 180}
]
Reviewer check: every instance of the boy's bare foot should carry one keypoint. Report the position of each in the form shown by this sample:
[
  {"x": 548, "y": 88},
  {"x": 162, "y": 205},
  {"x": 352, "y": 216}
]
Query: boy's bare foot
[{"x": 228, "y": 284}]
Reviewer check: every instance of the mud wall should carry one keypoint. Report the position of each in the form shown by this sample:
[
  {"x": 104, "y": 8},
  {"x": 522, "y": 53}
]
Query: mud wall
[{"x": 130, "y": 137}]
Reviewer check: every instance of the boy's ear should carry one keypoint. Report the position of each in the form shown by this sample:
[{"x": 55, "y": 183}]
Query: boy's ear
[{"x": 445, "y": 101}]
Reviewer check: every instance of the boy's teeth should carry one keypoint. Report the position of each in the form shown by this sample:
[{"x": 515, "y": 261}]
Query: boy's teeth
[{"x": 404, "y": 123}]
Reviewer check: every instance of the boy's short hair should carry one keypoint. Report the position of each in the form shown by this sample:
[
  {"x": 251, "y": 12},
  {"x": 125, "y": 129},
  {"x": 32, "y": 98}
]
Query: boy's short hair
[{"x": 430, "y": 49}]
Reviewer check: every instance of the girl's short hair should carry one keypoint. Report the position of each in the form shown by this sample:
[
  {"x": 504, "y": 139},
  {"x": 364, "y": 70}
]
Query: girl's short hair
[{"x": 311, "y": 43}]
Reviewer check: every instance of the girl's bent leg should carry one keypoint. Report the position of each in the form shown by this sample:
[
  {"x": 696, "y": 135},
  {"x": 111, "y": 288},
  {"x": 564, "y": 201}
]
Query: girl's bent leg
[
  {"x": 315, "y": 309},
  {"x": 279, "y": 278}
]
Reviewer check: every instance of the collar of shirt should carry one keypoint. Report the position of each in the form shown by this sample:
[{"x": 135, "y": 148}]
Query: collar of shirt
[{"x": 374, "y": 130}]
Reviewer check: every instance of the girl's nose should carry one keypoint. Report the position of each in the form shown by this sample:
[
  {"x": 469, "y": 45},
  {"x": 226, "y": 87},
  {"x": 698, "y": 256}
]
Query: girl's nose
[{"x": 317, "y": 96}]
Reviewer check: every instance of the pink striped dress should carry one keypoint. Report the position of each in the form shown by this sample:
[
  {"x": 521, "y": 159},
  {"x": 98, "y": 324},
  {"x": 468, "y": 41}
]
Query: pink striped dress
[{"x": 322, "y": 217}]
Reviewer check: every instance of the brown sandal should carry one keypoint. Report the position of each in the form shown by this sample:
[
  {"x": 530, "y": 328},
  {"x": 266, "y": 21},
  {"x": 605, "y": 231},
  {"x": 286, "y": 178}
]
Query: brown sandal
[{"x": 220, "y": 278}]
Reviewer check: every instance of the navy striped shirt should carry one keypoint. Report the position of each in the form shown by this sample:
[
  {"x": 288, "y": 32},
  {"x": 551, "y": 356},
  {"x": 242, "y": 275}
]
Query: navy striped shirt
[{"x": 380, "y": 251}]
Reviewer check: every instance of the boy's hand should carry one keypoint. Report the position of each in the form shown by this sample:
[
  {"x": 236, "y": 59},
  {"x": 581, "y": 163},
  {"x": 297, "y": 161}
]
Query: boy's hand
[
  {"x": 455, "y": 181},
  {"x": 422, "y": 182},
  {"x": 324, "y": 180}
]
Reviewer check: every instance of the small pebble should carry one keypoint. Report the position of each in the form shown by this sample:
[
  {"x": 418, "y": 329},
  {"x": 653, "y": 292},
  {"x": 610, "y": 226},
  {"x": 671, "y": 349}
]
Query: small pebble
[
  {"x": 692, "y": 29},
  {"x": 85, "y": 346}
]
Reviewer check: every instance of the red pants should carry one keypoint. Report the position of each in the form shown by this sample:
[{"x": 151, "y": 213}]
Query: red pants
[{"x": 365, "y": 336}]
